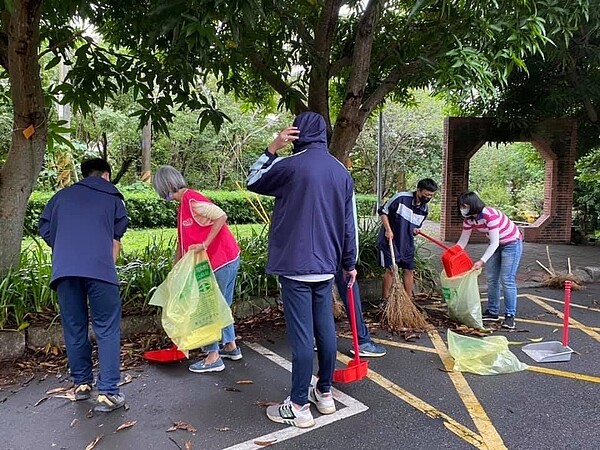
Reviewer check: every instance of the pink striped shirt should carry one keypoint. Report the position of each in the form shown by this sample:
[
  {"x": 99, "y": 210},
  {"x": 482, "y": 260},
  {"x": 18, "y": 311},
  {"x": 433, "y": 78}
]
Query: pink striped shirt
[{"x": 492, "y": 219}]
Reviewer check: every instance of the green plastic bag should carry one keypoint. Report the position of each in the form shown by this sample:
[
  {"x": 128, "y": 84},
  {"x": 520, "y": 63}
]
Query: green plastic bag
[
  {"x": 483, "y": 356},
  {"x": 194, "y": 311},
  {"x": 461, "y": 294}
]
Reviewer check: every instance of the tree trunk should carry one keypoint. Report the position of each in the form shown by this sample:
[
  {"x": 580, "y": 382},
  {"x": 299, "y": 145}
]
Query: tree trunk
[
  {"x": 146, "y": 152},
  {"x": 26, "y": 156}
]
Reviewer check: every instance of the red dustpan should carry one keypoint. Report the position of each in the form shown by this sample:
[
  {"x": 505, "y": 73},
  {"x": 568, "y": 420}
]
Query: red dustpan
[
  {"x": 455, "y": 259},
  {"x": 166, "y": 355},
  {"x": 356, "y": 369}
]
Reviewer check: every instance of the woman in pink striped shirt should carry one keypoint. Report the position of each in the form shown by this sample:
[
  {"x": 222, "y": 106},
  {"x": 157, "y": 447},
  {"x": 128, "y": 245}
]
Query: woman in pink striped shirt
[{"x": 501, "y": 258}]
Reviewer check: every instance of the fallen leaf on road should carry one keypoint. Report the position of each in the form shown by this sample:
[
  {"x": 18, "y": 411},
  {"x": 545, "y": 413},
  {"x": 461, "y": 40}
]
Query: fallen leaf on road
[
  {"x": 244, "y": 382},
  {"x": 73, "y": 423},
  {"x": 126, "y": 425},
  {"x": 182, "y": 426},
  {"x": 40, "y": 401},
  {"x": 58, "y": 389},
  {"x": 265, "y": 443},
  {"x": 187, "y": 445},
  {"x": 126, "y": 380},
  {"x": 555, "y": 330},
  {"x": 265, "y": 404},
  {"x": 93, "y": 444},
  {"x": 69, "y": 394},
  {"x": 536, "y": 339},
  {"x": 90, "y": 413}
]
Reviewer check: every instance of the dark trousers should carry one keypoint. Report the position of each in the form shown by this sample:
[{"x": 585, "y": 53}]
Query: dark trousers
[
  {"x": 308, "y": 313},
  {"x": 342, "y": 286},
  {"x": 105, "y": 307}
]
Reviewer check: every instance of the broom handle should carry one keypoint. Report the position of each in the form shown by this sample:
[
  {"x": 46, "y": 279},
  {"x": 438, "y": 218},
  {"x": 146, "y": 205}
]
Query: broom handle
[
  {"x": 352, "y": 314},
  {"x": 435, "y": 241},
  {"x": 566, "y": 312}
]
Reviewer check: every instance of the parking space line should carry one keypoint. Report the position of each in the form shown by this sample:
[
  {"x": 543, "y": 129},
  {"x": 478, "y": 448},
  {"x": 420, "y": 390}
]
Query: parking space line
[
  {"x": 352, "y": 407},
  {"x": 484, "y": 425},
  {"x": 565, "y": 374},
  {"x": 419, "y": 348},
  {"x": 573, "y": 305},
  {"x": 557, "y": 324},
  {"x": 547, "y": 307},
  {"x": 455, "y": 427}
]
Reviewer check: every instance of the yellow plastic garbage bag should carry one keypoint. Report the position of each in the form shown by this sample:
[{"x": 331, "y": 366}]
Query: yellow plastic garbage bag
[
  {"x": 461, "y": 294},
  {"x": 483, "y": 356},
  {"x": 194, "y": 311}
]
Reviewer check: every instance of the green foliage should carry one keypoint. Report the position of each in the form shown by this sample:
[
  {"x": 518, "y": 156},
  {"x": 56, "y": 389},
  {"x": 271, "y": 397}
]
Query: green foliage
[
  {"x": 141, "y": 270},
  {"x": 147, "y": 210},
  {"x": 587, "y": 199},
  {"x": 510, "y": 178}
]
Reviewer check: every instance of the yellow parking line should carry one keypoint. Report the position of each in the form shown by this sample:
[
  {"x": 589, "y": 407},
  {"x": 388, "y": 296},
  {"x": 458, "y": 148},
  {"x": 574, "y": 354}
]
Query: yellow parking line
[
  {"x": 578, "y": 324},
  {"x": 557, "y": 324},
  {"x": 484, "y": 425},
  {"x": 573, "y": 305},
  {"x": 565, "y": 374},
  {"x": 458, "y": 429}
]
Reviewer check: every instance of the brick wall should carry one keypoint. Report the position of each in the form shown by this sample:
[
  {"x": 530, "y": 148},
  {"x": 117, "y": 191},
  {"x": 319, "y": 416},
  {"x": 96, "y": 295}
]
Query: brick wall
[{"x": 555, "y": 140}]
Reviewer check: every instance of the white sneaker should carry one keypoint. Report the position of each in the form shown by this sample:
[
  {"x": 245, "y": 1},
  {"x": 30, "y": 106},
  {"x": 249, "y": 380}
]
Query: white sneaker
[
  {"x": 323, "y": 401},
  {"x": 291, "y": 415}
]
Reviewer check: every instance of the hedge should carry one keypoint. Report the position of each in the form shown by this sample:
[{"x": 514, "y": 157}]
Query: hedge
[{"x": 146, "y": 210}]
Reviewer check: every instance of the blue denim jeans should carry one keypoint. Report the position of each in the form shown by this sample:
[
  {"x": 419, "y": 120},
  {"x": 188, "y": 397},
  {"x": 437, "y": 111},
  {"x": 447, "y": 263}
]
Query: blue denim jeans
[
  {"x": 308, "y": 311},
  {"x": 501, "y": 271},
  {"x": 226, "y": 280},
  {"x": 105, "y": 307}
]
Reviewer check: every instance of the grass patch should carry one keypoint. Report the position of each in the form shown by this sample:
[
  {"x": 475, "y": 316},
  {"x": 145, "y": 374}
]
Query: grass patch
[{"x": 135, "y": 241}]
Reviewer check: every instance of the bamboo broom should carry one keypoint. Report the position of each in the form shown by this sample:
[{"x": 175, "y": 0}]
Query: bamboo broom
[{"x": 400, "y": 313}]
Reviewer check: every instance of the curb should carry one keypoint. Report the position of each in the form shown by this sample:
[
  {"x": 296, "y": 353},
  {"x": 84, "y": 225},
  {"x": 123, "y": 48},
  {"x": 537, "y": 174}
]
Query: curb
[{"x": 14, "y": 343}]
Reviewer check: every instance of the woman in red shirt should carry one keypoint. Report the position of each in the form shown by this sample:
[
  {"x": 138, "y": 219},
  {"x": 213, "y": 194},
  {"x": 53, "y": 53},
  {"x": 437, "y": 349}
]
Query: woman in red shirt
[{"x": 202, "y": 225}]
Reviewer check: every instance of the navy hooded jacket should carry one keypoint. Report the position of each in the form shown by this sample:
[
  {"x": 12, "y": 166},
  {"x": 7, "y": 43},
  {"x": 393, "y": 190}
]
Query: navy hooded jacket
[
  {"x": 79, "y": 223},
  {"x": 313, "y": 228}
]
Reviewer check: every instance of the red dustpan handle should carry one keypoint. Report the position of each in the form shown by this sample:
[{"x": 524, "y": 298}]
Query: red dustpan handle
[
  {"x": 566, "y": 313},
  {"x": 352, "y": 314},
  {"x": 435, "y": 241}
]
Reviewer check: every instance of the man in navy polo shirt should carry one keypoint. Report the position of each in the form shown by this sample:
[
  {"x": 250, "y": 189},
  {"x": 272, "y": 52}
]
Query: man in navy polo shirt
[
  {"x": 401, "y": 217},
  {"x": 83, "y": 224}
]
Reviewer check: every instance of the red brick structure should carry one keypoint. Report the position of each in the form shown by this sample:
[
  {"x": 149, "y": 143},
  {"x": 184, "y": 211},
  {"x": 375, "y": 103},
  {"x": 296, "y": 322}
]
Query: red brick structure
[{"x": 554, "y": 139}]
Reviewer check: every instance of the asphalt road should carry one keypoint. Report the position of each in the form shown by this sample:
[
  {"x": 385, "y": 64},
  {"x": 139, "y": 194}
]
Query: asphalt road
[{"x": 410, "y": 399}]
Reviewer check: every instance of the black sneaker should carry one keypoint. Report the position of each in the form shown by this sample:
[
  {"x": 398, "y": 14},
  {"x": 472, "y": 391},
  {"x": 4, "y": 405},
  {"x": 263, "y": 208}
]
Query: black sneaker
[
  {"x": 490, "y": 317},
  {"x": 83, "y": 391},
  {"x": 109, "y": 402},
  {"x": 509, "y": 322}
]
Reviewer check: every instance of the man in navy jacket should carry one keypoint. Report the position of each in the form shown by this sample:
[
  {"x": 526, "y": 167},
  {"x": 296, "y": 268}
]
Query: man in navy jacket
[
  {"x": 313, "y": 232},
  {"x": 83, "y": 224}
]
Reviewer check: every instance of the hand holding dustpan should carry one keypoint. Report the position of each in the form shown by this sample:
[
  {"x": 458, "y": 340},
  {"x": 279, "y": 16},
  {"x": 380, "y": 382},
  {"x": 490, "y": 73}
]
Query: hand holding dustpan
[
  {"x": 455, "y": 259},
  {"x": 356, "y": 369}
]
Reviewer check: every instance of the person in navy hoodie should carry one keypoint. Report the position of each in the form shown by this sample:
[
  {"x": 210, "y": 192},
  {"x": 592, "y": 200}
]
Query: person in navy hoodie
[
  {"x": 312, "y": 233},
  {"x": 83, "y": 224}
]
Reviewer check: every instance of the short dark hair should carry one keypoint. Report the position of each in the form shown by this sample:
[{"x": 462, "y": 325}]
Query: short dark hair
[
  {"x": 94, "y": 167},
  {"x": 472, "y": 200},
  {"x": 427, "y": 184}
]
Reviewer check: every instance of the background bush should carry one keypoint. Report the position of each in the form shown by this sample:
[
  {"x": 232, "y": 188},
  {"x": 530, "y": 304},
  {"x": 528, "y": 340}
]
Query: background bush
[{"x": 146, "y": 210}]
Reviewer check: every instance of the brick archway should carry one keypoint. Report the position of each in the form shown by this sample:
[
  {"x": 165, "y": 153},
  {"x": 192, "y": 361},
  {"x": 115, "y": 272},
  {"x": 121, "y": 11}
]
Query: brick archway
[{"x": 555, "y": 140}]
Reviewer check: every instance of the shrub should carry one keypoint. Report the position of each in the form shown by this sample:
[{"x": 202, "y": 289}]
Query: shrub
[{"x": 146, "y": 210}]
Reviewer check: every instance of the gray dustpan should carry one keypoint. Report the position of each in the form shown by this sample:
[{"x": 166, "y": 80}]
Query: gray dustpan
[
  {"x": 554, "y": 351},
  {"x": 545, "y": 352}
]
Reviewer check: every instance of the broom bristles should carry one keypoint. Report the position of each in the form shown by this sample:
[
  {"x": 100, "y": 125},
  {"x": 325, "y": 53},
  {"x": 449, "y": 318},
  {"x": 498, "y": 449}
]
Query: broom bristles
[{"x": 400, "y": 312}]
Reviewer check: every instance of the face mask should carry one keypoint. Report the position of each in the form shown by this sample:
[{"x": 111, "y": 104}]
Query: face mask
[
  {"x": 169, "y": 197},
  {"x": 424, "y": 199},
  {"x": 464, "y": 212}
]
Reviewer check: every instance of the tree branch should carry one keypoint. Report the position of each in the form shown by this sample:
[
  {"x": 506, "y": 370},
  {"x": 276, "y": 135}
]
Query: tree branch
[
  {"x": 61, "y": 44},
  {"x": 272, "y": 79},
  {"x": 336, "y": 67},
  {"x": 388, "y": 85},
  {"x": 319, "y": 75}
]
